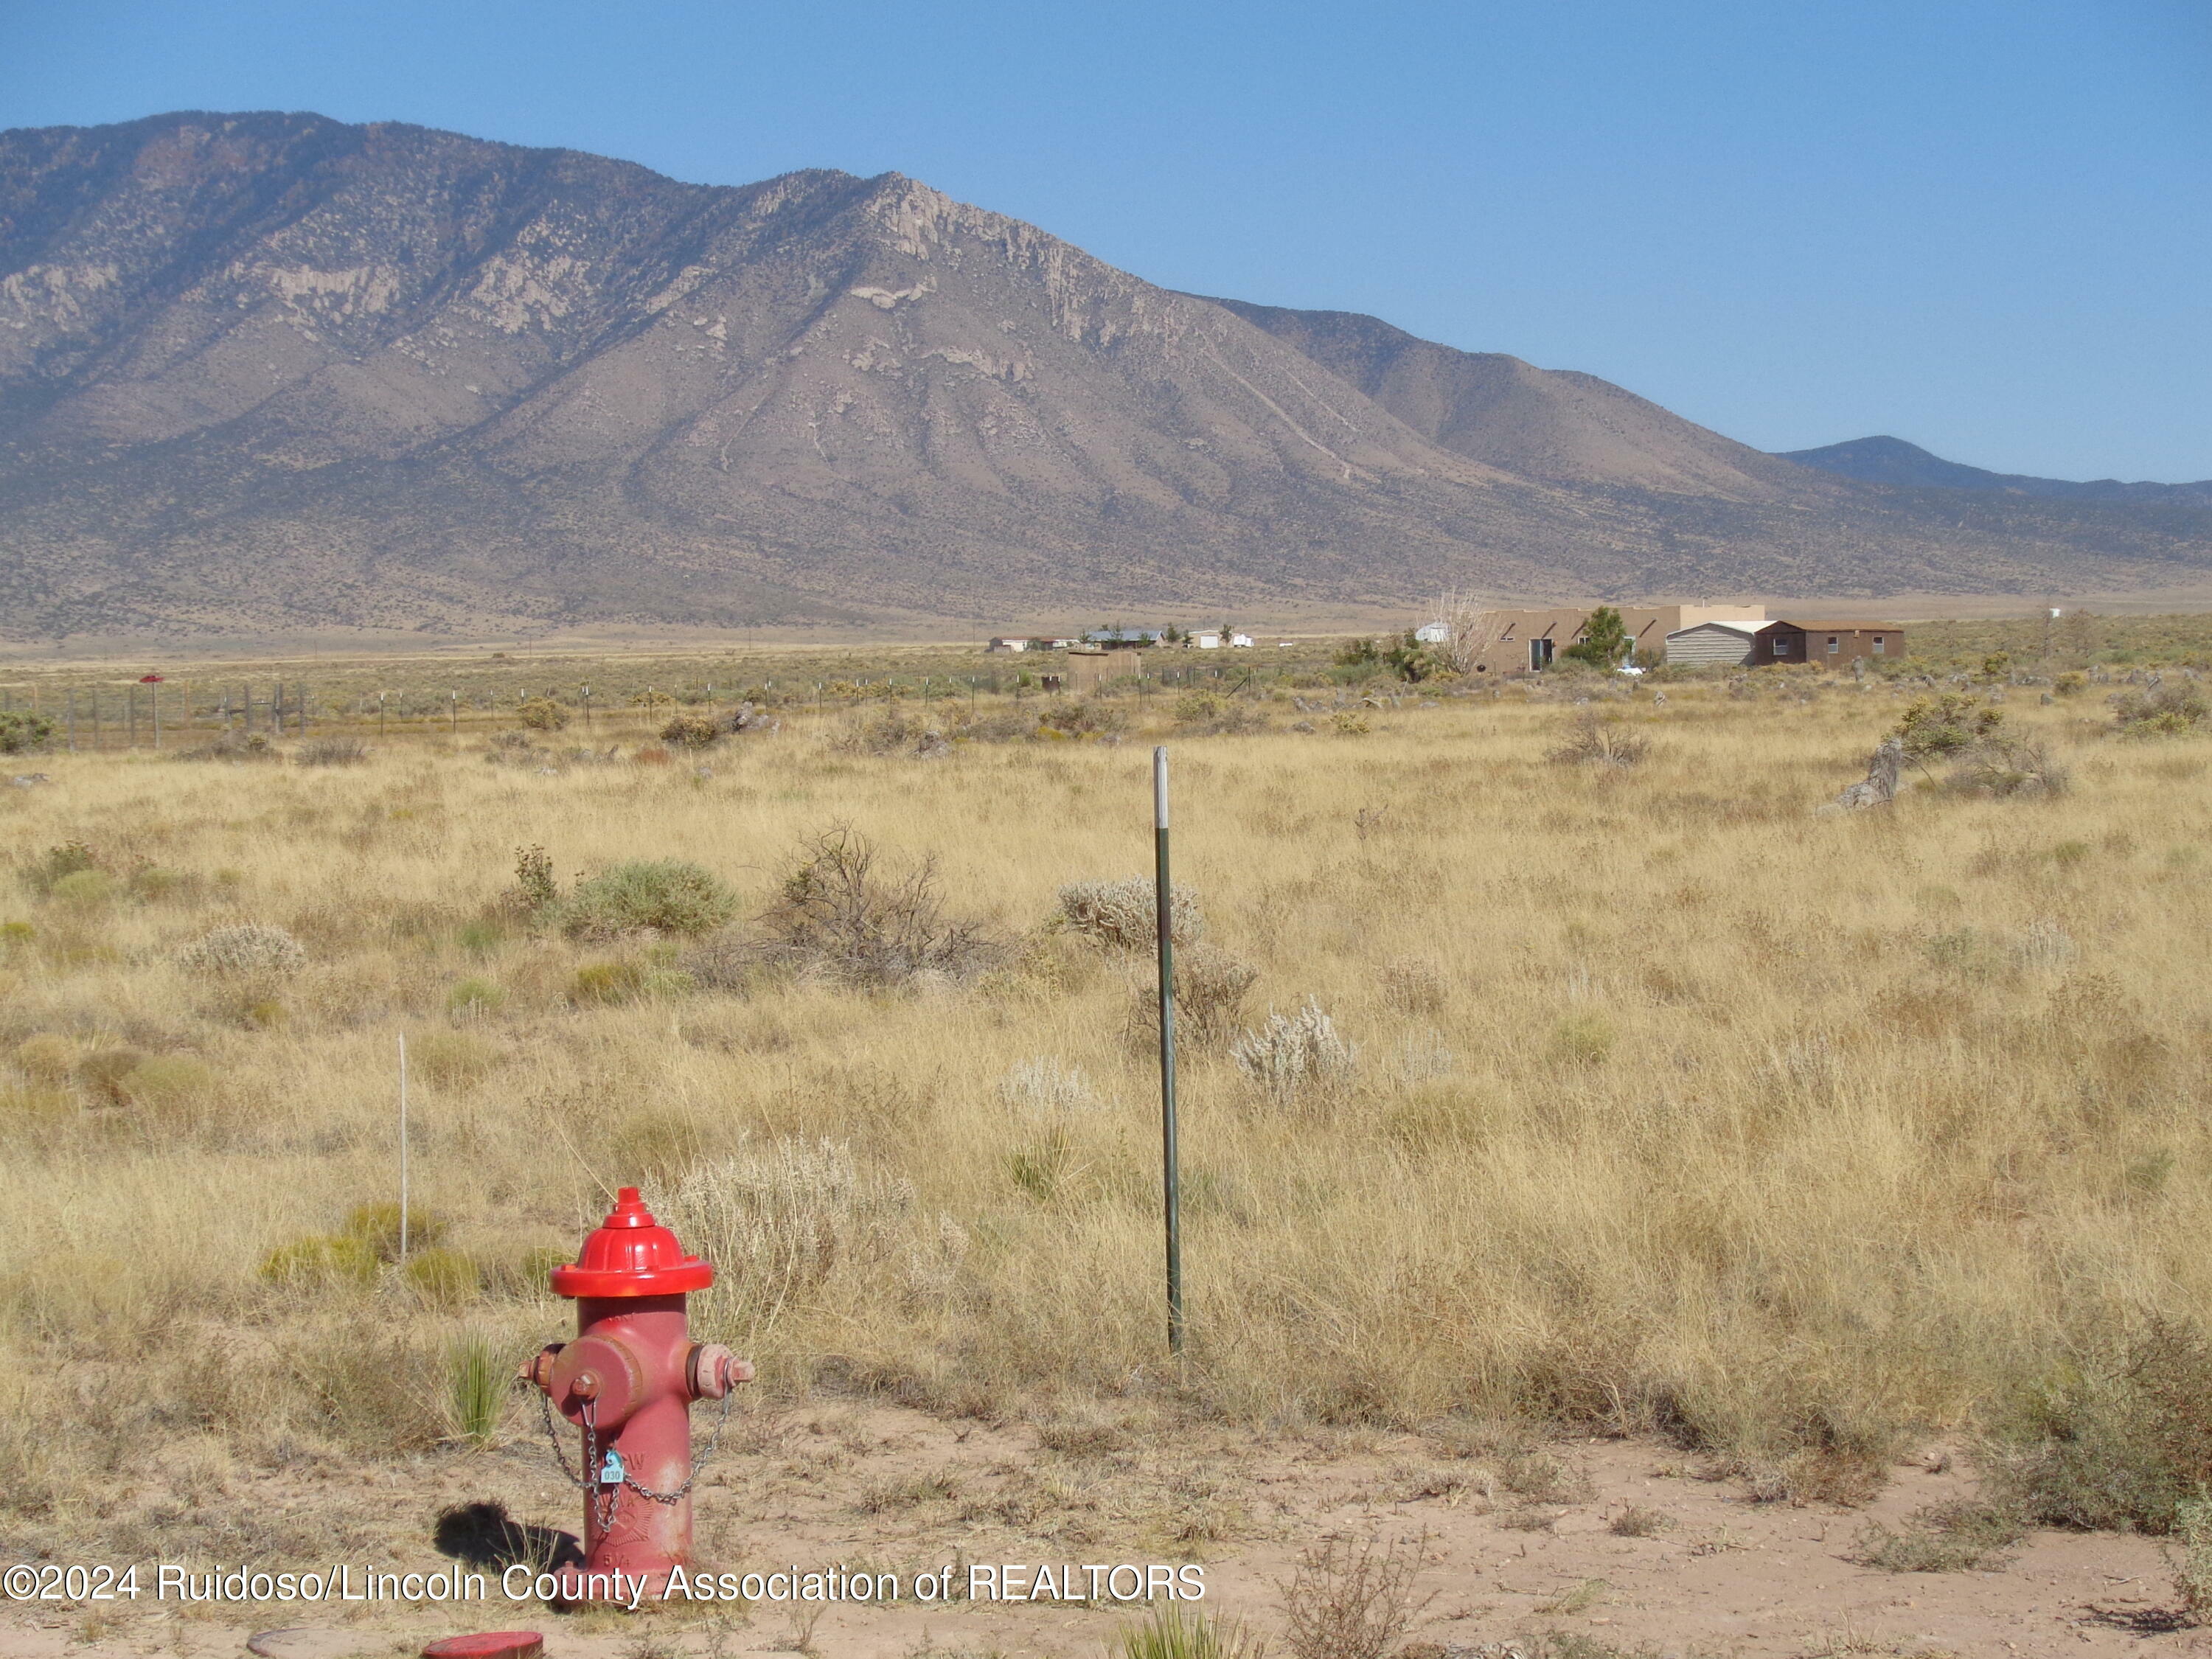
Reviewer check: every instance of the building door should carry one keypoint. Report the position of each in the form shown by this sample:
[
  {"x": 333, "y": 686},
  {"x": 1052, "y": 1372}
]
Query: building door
[{"x": 1539, "y": 653}]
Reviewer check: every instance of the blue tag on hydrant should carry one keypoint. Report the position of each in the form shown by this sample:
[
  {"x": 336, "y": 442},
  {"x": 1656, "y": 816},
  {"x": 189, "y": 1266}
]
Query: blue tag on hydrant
[{"x": 611, "y": 1472}]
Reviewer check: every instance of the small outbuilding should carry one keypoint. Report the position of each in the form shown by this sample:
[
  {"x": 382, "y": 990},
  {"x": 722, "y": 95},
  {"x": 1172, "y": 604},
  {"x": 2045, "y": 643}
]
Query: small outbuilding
[
  {"x": 1009, "y": 644},
  {"x": 1705, "y": 644}
]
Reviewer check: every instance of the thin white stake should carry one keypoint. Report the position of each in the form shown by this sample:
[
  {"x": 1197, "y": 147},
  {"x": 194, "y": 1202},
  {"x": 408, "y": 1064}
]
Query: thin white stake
[{"x": 403, "y": 1148}]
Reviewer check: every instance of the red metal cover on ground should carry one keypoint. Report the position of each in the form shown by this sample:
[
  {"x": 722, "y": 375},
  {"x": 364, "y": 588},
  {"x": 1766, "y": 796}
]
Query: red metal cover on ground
[{"x": 490, "y": 1644}]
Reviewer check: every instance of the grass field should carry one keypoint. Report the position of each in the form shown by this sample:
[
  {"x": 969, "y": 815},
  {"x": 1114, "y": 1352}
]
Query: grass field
[{"x": 1669, "y": 1106}]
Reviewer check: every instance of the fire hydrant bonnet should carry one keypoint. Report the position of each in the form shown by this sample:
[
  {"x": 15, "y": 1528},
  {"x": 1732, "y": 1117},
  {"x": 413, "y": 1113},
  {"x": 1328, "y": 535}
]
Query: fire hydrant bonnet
[{"x": 630, "y": 1253}]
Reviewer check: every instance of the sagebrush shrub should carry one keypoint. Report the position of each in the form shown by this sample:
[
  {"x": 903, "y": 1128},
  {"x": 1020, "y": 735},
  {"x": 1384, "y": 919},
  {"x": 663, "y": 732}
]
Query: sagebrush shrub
[
  {"x": 245, "y": 948},
  {"x": 541, "y": 714},
  {"x": 1045, "y": 1086},
  {"x": 1124, "y": 914},
  {"x": 1295, "y": 1054},
  {"x": 666, "y": 896}
]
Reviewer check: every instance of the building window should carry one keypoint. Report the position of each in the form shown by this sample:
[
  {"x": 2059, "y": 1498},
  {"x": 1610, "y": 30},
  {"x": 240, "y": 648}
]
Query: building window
[
  {"x": 1834, "y": 645},
  {"x": 1878, "y": 650},
  {"x": 1781, "y": 648}
]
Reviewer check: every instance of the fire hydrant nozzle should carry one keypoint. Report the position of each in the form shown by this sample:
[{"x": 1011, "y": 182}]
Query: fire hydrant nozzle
[{"x": 627, "y": 1382}]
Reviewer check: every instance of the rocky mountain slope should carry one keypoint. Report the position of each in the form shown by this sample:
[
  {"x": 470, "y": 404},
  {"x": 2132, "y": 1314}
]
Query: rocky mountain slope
[{"x": 267, "y": 372}]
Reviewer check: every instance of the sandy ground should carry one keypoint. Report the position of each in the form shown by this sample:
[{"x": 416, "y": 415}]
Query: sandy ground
[{"x": 1718, "y": 1574}]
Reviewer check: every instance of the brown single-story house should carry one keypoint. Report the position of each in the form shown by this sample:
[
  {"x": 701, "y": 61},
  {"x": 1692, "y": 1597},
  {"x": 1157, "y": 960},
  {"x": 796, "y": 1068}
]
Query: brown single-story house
[
  {"x": 1827, "y": 643},
  {"x": 1521, "y": 641}
]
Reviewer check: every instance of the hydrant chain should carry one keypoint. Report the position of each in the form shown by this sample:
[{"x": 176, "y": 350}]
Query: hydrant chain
[{"x": 698, "y": 1463}]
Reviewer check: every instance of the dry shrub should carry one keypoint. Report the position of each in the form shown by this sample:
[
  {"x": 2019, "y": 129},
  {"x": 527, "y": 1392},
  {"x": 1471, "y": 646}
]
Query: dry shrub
[
  {"x": 1082, "y": 717},
  {"x": 243, "y": 950},
  {"x": 332, "y": 751},
  {"x": 57, "y": 864},
  {"x": 842, "y": 914},
  {"x": 2010, "y": 769},
  {"x": 2162, "y": 711},
  {"x": 2112, "y": 1446},
  {"x": 1210, "y": 986},
  {"x": 1343, "y": 1602},
  {"x": 1944, "y": 1538},
  {"x": 1210, "y": 715},
  {"x": 693, "y": 732},
  {"x": 541, "y": 714},
  {"x": 1296, "y": 1055},
  {"x": 1591, "y": 741},
  {"x": 233, "y": 746},
  {"x": 894, "y": 732},
  {"x": 2190, "y": 1558},
  {"x": 1123, "y": 916}
]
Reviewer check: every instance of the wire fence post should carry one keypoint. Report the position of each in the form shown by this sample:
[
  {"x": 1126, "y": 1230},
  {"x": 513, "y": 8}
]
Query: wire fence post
[
  {"x": 402, "y": 1149},
  {"x": 1170, "y": 1180}
]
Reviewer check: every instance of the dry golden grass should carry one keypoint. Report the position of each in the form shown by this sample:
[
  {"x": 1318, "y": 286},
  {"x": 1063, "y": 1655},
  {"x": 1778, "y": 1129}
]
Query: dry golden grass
[{"x": 1674, "y": 1106}]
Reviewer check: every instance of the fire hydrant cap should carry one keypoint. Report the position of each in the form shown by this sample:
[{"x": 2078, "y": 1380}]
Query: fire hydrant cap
[
  {"x": 630, "y": 1253},
  {"x": 489, "y": 1644}
]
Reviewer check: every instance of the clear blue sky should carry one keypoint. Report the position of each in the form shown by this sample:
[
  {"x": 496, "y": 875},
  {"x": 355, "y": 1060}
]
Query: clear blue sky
[{"x": 1984, "y": 225}]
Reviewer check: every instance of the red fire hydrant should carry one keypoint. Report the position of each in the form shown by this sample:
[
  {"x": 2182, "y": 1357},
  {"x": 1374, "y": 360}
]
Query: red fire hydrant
[{"x": 627, "y": 1382}]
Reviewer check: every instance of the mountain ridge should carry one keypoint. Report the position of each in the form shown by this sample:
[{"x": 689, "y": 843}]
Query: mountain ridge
[
  {"x": 1888, "y": 460},
  {"x": 273, "y": 371}
]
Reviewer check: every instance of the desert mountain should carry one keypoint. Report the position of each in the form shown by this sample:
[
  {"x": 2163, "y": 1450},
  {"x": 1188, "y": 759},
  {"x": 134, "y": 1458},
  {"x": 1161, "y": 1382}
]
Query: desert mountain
[
  {"x": 1895, "y": 462},
  {"x": 266, "y": 371}
]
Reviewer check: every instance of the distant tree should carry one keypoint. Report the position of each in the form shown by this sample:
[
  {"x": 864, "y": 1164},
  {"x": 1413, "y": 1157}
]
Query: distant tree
[
  {"x": 1604, "y": 642},
  {"x": 1360, "y": 653}
]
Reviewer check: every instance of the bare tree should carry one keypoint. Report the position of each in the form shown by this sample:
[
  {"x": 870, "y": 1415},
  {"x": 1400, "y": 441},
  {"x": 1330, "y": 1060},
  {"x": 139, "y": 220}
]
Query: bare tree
[{"x": 1474, "y": 628}]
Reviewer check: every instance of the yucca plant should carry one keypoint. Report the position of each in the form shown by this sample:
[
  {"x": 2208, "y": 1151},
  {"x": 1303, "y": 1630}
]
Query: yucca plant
[
  {"x": 477, "y": 1377},
  {"x": 1174, "y": 1633}
]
